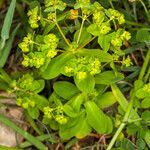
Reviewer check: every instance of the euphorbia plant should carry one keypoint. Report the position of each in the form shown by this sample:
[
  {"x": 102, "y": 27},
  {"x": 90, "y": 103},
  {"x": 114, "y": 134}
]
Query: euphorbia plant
[
  {"x": 78, "y": 49},
  {"x": 82, "y": 42}
]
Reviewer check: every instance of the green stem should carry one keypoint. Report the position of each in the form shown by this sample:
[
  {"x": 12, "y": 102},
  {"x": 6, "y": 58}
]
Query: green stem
[
  {"x": 134, "y": 11},
  {"x": 122, "y": 125},
  {"x": 144, "y": 6},
  {"x": 79, "y": 36},
  {"x": 146, "y": 10},
  {"x": 114, "y": 22},
  {"x": 82, "y": 46},
  {"x": 135, "y": 24},
  {"x": 124, "y": 103},
  {"x": 111, "y": 4},
  {"x": 115, "y": 136},
  {"x": 147, "y": 75},
  {"x": 145, "y": 64},
  {"x": 62, "y": 34},
  {"x": 25, "y": 134}
]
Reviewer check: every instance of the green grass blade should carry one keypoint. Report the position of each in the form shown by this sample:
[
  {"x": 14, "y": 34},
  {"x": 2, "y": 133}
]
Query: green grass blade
[
  {"x": 119, "y": 97},
  {"x": 4, "y": 76},
  {"x": 41, "y": 138},
  {"x": 25, "y": 134},
  {"x": 123, "y": 102},
  {"x": 9, "y": 148},
  {"x": 6, "y": 50},
  {"x": 7, "y": 24}
]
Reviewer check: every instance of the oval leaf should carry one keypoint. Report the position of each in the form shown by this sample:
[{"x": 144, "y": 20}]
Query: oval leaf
[
  {"x": 95, "y": 117},
  {"x": 69, "y": 111},
  {"x": 65, "y": 89},
  {"x": 103, "y": 56},
  {"x": 146, "y": 103},
  {"x": 86, "y": 84},
  {"x": 106, "y": 100},
  {"x": 108, "y": 77},
  {"x": 55, "y": 65},
  {"x": 77, "y": 101}
]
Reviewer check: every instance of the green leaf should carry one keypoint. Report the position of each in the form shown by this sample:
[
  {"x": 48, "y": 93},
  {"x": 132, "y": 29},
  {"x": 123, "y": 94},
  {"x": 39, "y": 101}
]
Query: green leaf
[
  {"x": 141, "y": 93},
  {"x": 123, "y": 102},
  {"x": 75, "y": 127},
  {"x": 126, "y": 144},
  {"x": 109, "y": 125},
  {"x": 55, "y": 65},
  {"x": 86, "y": 84},
  {"x": 41, "y": 84},
  {"x": 143, "y": 35},
  {"x": 40, "y": 101},
  {"x": 103, "y": 56},
  {"x": 69, "y": 111},
  {"x": 48, "y": 28},
  {"x": 85, "y": 36},
  {"x": 93, "y": 29},
  {"x": 100, "y": 88},
  {"x": 4, "y": 76},
  {"x": 132, "y": 129},
  {"x": 147, "y": 138},
  {"x": 65, "y": 89},
  {"x": 108, "y": 77},
  {"x": 77, "y": 101},
  {"x": 140, "y": 144},
  {"x": 96, "y": 118},
  {"x": 146, "y": 103},
  {"x": 138, "y": 84},
  {"x": 106, "y": 100},
  {"x": 33, "y": 112},
  {"x": 7, "y": 24},
  {"x": 4, "y": 53},
  {"x": 84, "y": 129},
  {"x": 3, "y": 85},
  {"x": 104, "y": 41},
  {"x": 146, "y": 115},
  {"x": 34, "y": 4}
]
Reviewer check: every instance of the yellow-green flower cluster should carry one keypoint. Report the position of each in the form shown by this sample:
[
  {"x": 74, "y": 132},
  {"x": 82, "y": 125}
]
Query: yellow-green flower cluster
[
  {"x": 34, "y": 17},
  {"x": 50, "y": 42},
  {"x": 97, "y": 7},
  {"x": 25, "y": 44},
  {"x": 55, "y": 4},
  {"x": 85, "y": 6},
  {"x": 80, "y": 66},
  {"x": 34, "y": 59},
  {"x": 98, "y": 17},
  {"x": 61, "y": 119},
  {"x": 47, "y": 112},
  {"x": 146, "y": 88},
  {"x": 115, "y": 14},
  {"x": 28, "y": 83},
  {"x": 120, "y": 37},
  {"x": 51, "y": 17},
  {"x": 104, "y": 28},
  {"x": 55, "y": 113},
  {"x": 42, "y": 50},
  {"x": 25, "y": 102},
  {"x": 126, "y": 61}
]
